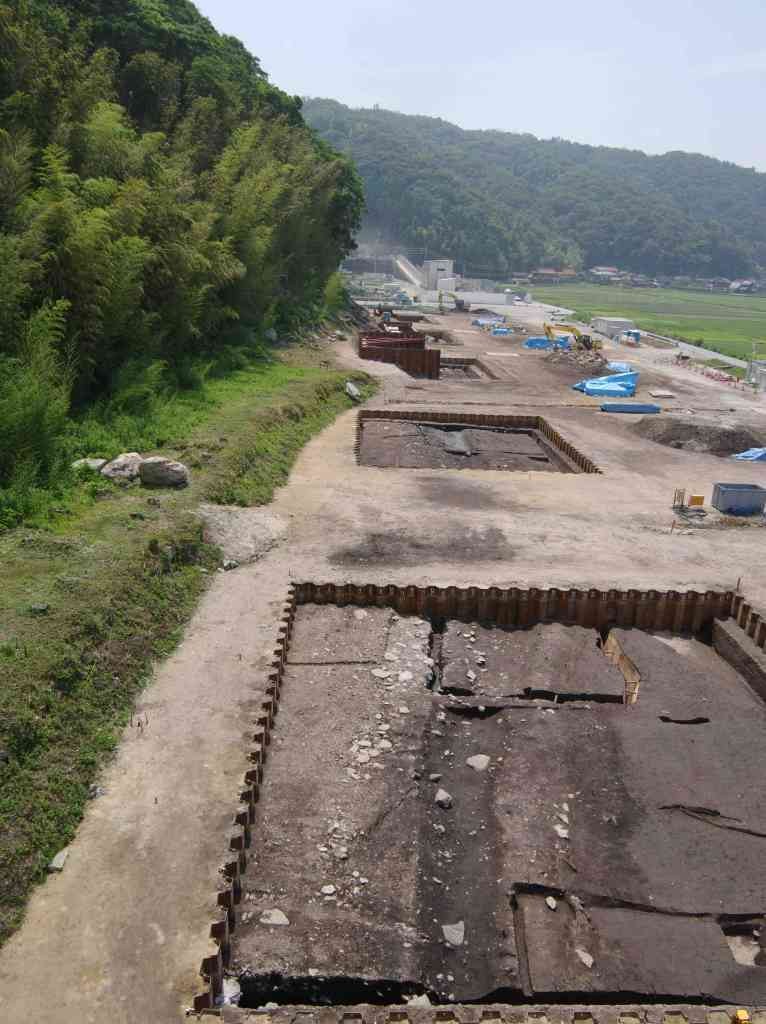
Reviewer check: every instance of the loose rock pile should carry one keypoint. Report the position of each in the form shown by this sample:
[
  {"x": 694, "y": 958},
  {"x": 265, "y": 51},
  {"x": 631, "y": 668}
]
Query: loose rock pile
[{"x": 153, "y": 471}]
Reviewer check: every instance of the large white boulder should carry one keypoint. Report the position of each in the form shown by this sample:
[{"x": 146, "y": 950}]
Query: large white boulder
[
  {"x": 124, "y": 467},
  {"x": 94, "y": 464}
]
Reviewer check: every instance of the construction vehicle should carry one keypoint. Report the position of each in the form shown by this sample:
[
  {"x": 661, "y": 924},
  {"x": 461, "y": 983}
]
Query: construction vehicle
[
  {"x": 461, "y": 306},
  {"x": 583, "y": 342}
]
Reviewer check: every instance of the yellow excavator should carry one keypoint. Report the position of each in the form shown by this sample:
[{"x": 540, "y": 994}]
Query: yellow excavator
[
  {"x": 461, "y": 306},
  {"x": 582, "y": 341}
]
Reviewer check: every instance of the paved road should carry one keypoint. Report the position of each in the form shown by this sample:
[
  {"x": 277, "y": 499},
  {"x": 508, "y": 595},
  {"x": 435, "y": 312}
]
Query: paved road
[{"x": 706, "y": 353}]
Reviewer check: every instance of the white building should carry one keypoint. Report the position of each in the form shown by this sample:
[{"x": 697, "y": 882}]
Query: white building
[
  {"x": 611, "y": 325},
  {"x": 433, "y": 270}
]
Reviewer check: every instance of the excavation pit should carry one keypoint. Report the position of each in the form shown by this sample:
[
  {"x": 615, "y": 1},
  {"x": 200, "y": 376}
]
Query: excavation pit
[
  {"x": 463, "y": 370},
  {"x": 459, "y": 808},
  {"x": 388, "y": 439}
]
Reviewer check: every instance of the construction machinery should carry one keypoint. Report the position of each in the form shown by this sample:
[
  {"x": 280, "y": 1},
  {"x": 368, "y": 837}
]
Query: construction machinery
[
  {"x": 582, "y": 341},
  {"x": 461, "y": 306}
]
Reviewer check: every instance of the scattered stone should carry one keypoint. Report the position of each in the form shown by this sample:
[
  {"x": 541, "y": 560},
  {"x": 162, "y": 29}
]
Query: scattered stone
[
  {"x": 403, "y": 710},
  {"x": 471, "y": 676},
  {"x": 157, "y": 471},
  {"x": 421, "y": 1000},
  {"x": 274, "y": 917},
  {"x": 154, "y": 501},
  {"x": 231, "y": 994},
  {"x": 435, "y": 777},
  {"x": 443, "y": 799},
  {"x": 454, "y": 933},
  {"x": 551, "y": 902},
  {"x": 479, "y": 762},
  {"x": 360, "y": 614},
  {"x": 561, "y": 832},
  {"x": 584, "y": 956},
  {"x": 58, "y": 862},
  {"x": 381, "y": 673},
  {"x": 124, "y": 467},
  {"x": 405, "y": 677},
  {"x": 328, "y": 890},
  {"x": 385, "y": 745},
  {"x": 353, "y": 391},
  {"x": 95, "y": 791},
  {"x": 39, "y": 609},
  {"x": 93, "y": 464},
  {"x": 229, "y": 564}
]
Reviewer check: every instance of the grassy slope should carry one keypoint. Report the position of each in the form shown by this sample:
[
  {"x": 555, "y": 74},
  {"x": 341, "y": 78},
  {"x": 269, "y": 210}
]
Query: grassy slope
[
  {"x": 725, "y": 323},
  {"x": 120, "y": 578}
]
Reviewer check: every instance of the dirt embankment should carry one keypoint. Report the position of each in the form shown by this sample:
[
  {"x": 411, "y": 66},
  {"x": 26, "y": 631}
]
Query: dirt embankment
[{"x": 695, "y": 435}]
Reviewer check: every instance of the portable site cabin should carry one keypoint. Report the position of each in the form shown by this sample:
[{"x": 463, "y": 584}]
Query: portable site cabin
[{"x": 611, "y": 325}]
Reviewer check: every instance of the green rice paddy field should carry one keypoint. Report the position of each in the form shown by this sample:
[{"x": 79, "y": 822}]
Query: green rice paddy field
[{"x": 721, "y": 322}]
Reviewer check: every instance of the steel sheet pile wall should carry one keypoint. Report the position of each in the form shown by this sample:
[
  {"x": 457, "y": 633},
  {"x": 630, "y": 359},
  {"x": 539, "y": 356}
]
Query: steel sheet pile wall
[
  {"x": 230, "y": 893},
  {"x": 407, "y": 351},
  {"x": 663, "y": 611}
]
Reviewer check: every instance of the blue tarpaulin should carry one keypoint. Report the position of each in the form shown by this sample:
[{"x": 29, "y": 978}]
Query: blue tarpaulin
[
  {"x": 634, "y": 407},
  {"x": 562, "y": 343},
  {"x": 618, "y": 385},
  {"x": 500, "y": 330},
  {"x": 752, "y": 455}
]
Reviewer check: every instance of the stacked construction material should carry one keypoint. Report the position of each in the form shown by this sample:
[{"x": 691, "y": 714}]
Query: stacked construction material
[{"x": 637, "y": 408}]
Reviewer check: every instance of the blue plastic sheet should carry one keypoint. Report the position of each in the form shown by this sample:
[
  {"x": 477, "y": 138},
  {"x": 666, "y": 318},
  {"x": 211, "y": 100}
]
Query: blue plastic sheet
[
  {"x": 634, "y": 407},
  {"x": 752, "y": 455},
  {"x": 538, "y": 343},
  {"x": 617, "y": 385},
  {"x": 500, "y": 330}
]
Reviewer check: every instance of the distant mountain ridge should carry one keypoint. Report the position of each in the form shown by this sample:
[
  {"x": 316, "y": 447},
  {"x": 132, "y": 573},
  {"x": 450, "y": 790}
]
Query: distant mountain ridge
[{"x": 499, "y": 201}]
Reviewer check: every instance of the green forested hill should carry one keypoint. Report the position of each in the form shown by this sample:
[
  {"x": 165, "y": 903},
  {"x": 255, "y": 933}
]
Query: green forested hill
[
  {"x": 160, "y": 201},
  {"x": 500, "y": 201}
]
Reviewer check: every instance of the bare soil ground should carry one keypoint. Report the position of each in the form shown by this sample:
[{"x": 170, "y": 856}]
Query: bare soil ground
[
  {"x": 471, "y": 821},
  {"x": 120, "y": 933}
]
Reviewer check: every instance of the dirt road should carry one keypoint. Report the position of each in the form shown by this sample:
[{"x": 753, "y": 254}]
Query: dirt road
[{"x": 119, "y": 935}]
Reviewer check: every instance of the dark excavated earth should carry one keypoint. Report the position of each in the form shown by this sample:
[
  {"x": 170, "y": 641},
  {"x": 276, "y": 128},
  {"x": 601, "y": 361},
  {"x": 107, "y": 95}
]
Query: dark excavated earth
[
  {"x": 476, "y": 814},
  {"x": 406, "y": 444}
]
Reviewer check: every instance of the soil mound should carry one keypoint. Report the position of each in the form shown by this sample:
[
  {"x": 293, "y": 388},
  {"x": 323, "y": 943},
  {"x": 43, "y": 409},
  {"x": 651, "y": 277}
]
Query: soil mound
[{"x": 699, "y": 435}]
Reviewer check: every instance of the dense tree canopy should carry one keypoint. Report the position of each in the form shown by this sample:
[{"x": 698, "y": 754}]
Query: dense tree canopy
[
  {"x": 501, "y": 202},
  {"x": 159, "y": 198}
]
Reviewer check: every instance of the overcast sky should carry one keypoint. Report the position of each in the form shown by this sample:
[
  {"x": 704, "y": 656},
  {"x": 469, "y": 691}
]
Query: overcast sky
[{"x": 647, "y": 74}]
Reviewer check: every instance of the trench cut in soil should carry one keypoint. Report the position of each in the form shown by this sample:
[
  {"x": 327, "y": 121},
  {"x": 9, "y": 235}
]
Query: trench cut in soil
[{"x": 480, "y": 813}]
